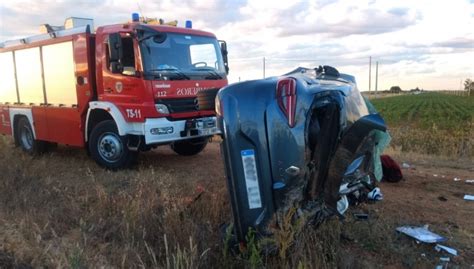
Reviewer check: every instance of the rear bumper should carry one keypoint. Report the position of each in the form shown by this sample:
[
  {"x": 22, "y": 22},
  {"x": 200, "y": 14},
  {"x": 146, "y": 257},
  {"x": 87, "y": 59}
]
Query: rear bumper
[{"x": 161, "y": 130}]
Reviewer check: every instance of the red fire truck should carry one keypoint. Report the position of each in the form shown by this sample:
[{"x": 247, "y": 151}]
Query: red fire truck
[{"x": 123, "y": 89}]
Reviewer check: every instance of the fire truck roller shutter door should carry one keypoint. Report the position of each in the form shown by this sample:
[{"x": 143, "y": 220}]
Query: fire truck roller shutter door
[
  {"x": 7, "y": 79},
  {"x": 59, "y": 74},
  {"x": 30, "y": 81}
]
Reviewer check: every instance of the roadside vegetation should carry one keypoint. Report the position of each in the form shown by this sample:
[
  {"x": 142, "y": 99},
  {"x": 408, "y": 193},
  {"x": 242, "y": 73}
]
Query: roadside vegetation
[{"x": 430, "y": 123}]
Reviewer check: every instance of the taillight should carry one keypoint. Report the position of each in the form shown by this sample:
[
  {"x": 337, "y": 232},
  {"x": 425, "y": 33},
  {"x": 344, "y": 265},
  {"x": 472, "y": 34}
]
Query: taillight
[{"x": 286, "y": 98}]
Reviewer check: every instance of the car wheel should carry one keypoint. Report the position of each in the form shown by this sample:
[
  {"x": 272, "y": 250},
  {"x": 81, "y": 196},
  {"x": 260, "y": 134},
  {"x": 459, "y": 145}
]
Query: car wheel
[
  {"x": 26, "y": 140},
  {"x": 190, "y": 147},
  {"x": 108, "y": 148}
]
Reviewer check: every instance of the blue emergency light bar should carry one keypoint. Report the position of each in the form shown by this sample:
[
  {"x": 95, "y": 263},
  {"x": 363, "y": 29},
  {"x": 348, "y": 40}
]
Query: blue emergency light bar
[
  {"x": 189, "y": 24},
  {"x": 135, "y": 17}
]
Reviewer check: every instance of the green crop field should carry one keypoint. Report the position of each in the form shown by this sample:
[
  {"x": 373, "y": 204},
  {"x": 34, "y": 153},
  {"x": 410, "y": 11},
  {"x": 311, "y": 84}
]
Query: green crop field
[{"x": 431, "y": 123}]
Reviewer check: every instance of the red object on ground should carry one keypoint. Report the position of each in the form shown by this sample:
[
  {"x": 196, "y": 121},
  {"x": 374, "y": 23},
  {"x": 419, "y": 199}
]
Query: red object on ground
[{"x": 391, "y": 169}]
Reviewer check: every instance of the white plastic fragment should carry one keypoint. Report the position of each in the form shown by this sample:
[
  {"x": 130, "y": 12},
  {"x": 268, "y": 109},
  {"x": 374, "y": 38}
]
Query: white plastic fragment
[
  {"x": 375, "y": 194},
  {"x": 443, "y": 263},
  {"x": 469, "y": 197},
  {"x": 469, "y": 180},
  {"x": 421, "y": 234},
  {"x": 457, "y": 179},
  {"x": 342, "y": 204},
  {"x": 451, "y": 251},
  {"x": 405, "y": 165},
  {"x": 435, "y": 175}
]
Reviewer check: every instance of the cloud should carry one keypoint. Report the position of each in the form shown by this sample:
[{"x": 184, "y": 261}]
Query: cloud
[
  {"x": 208, "y": 14},
  {"x": 417, "y": 43},
  {"x": 457, "y": 43},
  {"x": 399, "y": 11},
  {"x": 350, "y": 20}
]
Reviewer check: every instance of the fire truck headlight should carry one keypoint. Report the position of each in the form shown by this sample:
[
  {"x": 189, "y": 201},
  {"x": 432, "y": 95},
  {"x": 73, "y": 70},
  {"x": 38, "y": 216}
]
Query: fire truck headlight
[{"x": 163, "y": 109}]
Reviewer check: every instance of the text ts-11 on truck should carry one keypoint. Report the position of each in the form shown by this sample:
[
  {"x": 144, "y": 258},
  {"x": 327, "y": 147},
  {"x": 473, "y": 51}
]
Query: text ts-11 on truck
[{"x": 123, "y": 89}]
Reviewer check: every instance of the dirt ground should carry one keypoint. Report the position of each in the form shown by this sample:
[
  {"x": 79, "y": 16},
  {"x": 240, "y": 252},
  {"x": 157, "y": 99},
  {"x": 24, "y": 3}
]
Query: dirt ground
[
  {"x": 428, "y": 195},
  {"x": 431, "y": 193}
]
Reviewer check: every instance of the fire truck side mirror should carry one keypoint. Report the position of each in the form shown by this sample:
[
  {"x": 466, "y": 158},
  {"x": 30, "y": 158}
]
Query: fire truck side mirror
[
  {"x": 115, "y": 52},
  {"x": 224, "y": 55}
]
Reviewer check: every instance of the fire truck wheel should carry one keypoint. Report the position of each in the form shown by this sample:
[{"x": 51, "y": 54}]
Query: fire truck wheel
[
  {"x": 26, "y": 140},
  {"x": 190, "y": 147},
  {"x": 108, "y": 148}
]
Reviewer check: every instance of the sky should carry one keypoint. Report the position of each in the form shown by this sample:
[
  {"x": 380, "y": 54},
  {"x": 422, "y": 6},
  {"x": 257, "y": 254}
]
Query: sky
[{"x": 424, "y": 43}]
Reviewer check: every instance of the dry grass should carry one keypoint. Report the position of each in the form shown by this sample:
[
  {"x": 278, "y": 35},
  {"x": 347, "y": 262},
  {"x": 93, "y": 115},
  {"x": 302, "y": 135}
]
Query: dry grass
[
  {"x": 60, "y": 210},
  {"x": 453, "y": 144}
]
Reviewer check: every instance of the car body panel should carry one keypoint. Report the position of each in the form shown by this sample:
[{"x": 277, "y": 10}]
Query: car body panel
[{"x": 295, "y": 165}]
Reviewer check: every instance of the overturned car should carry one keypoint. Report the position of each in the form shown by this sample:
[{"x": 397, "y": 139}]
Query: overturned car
[{"x": 306, "y": 140}]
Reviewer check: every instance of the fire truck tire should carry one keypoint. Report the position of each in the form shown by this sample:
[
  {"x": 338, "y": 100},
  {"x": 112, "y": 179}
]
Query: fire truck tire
[
  {"x": 108, "y": 148},
  {"x": 206, "y": 99},
  {"x": 26, "y": 140},
  {"x": 190, "y": 147}
]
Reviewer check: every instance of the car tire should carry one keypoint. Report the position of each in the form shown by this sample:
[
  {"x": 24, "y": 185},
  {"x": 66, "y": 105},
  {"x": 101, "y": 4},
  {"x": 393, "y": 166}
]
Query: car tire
[
  {"x": 25, "y": 137},
  {"x": 108, "y": 148},
  {"x": 206, "y": 99},
  {"x": 190, "y": 147}
]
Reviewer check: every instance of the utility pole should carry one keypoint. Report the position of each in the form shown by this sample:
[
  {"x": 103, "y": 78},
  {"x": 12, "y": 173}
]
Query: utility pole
[
  {"x": 370, "y": 70},
  {"x": 263, "y": 67},
  {"x": 376, "y": 77}
]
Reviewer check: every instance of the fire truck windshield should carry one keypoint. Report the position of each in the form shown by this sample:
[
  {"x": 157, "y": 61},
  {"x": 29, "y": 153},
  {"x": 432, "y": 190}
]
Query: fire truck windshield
[{"x": 182, "y": 57}]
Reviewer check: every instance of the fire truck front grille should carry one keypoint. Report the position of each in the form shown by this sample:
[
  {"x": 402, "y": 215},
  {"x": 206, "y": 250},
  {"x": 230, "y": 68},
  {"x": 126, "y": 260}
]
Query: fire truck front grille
[{"x": 179, "y": 105}]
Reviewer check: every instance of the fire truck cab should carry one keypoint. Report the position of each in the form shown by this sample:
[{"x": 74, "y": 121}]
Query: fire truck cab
[{"x": 123, "y": 89}]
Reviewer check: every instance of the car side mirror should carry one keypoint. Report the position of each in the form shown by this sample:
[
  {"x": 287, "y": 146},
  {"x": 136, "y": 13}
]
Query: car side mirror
[
  {"x": 224, "y": 55},
  {"x": 115, "y": 52}
]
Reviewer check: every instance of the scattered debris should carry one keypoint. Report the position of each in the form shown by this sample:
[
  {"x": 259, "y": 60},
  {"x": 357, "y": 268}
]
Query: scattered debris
[
  {"x": 444, "y": 259},
  {"x": 435, "y": 175},
  {"x": 457, "y": 179},
  {"x": 405, "y": 165},
  {"x": 361, "y": 216},
  {"x": 442, "y": 198},
  {"x": 469, "y": 180},
  {"x": 421, "y": 234},
  {"x": 443, "y": 263},
  {"x": 469, "y": 197},
  {"x": 451, "y": 251},
  {"x": 375, "y": 194}
]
